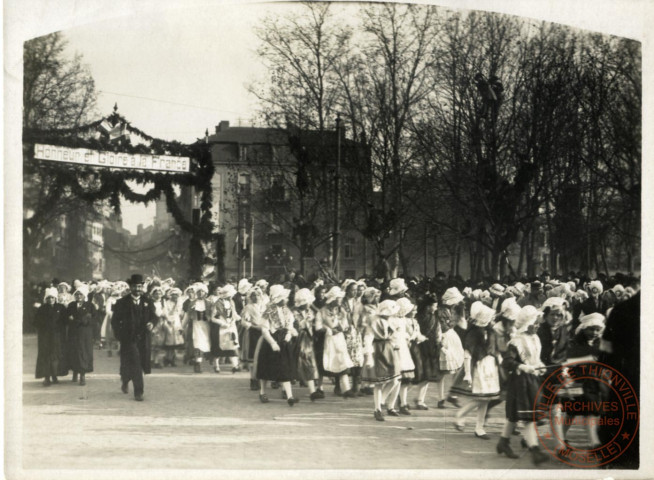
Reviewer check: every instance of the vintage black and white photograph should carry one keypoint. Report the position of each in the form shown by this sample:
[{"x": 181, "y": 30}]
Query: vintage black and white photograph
[{"x": 325, "y": 238}]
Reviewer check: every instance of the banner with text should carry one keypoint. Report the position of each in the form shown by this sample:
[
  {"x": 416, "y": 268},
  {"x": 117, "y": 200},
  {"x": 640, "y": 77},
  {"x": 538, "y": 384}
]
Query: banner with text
[{"x": 94, "y": 158}]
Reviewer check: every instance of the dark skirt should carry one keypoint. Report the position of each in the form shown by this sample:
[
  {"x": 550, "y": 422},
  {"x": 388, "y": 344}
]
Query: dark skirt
[
  {"x": 249, "y": 341},
  {"x": 80, "y": 348},
  {"x": 429, "y": 368},
  {"x": 307, "y": 368},
  {"x": 49, "y": 354},
  {"x": 276, "y": 366},
  {"x": 319, "y": 350},
  {"x": 385, "y": 367},
  {"x": 416, "y": 356},
  {"x": 521, "y": 393}
]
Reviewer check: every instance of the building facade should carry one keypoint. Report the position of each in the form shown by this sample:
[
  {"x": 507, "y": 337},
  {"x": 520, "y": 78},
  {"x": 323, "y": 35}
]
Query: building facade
[{"x": 273, "y": 224}]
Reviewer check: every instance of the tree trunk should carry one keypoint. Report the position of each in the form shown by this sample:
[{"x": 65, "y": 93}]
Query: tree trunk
[
  {"x": 495, "y": 263},
  {"x": 523, "y": 248},
  {"x": 435, "y": 254},
  {"x": 603, "y": 256},
  {"x": 458, "y": 258}
]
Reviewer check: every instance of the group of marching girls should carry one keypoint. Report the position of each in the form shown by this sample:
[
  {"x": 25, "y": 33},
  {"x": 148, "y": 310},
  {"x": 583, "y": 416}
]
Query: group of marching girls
[{"x": 479, "y": 347}]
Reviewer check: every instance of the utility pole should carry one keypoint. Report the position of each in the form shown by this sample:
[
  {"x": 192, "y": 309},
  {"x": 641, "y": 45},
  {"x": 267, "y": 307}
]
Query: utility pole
[{"x": 337, "y": 203}]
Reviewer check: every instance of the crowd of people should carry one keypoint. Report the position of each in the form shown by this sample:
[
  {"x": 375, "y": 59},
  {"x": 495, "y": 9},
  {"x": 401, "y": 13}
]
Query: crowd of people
[{"x": 479, "y": 347}]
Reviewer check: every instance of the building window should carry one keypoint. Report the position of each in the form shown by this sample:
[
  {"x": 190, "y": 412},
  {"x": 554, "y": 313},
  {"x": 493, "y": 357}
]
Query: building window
[
  {"x": 243, "y": 153},
  {"x": 243, "y": 188},
  {"x": 348, "y": 248},
  {"x": 277, "y": 190}
]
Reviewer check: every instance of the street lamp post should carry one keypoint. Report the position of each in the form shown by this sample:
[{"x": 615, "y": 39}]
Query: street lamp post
[{"x": 337, "y": 206}]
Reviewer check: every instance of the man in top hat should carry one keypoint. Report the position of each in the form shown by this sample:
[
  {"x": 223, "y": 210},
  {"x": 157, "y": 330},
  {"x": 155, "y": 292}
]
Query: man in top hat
[{"x": 133, "y": 319}]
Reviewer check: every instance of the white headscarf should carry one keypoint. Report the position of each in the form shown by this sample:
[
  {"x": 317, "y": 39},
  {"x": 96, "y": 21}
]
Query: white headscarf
[{"x": 50, "y": 292}]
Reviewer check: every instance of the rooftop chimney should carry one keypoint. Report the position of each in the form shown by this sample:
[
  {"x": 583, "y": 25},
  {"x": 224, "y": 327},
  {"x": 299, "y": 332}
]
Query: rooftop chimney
[{"x": 222, "y": 126}]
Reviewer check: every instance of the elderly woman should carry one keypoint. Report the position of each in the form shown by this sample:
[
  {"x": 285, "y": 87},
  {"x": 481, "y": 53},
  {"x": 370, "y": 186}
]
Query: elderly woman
[
  {"x": 336, "y": 359},
  {"x": 224, "y": 329},
  {"x": 522, "y": 362},
  {"x": 307, "y": 367},
  {"x": 381, "y": 365},
  {"x": 80, "y": 334},
  {"x": 172, "y": 325},
  {"x": 197, "y": 318},
  {"x": 275, "y": 359},
  {"x": 50, "y": 322},
  {"x": 480, "y": 375}
]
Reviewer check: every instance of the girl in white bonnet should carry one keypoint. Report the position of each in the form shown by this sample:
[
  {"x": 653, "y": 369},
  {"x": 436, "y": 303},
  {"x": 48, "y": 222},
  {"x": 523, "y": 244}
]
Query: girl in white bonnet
[
  {"x": 381, "y": 366},
  {"x": 522, "y": 362},
  {"x": 479, "y": 379}
]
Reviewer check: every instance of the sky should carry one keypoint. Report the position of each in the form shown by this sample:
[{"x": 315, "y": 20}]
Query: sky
[
  {"x": 178, "y": 70},
  {"x": 173, "y": 74}
]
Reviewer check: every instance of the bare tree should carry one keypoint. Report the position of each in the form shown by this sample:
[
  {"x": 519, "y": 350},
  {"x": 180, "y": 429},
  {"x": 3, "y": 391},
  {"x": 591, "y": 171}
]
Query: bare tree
[
  {"x": 58, "y": 92},
  {"x": 384, "y": 82},
  {"x": 58, "y": 95}
]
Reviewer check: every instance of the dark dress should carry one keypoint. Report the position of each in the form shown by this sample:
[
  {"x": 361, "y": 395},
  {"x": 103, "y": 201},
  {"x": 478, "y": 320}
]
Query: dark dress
[
  {"x": 277, "y": 366},
  {"x": 554, "y": 352},
  {"x": 623, "y": 331},
  {"x": 429, "y": 366},
  {"x": 307, "y": 367},
  {"x": 591, "y": 392},
  {"x": 50, "y": 322},
  {"x": 521, "y": 388},
  {"x": 318, "y": 343},
  {"x": 80, "y": 336}
]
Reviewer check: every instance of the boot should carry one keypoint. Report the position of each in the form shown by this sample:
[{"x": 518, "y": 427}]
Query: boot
[
  {"x": 356, "y": 382},
  {"x": 82, "y": 379},
  {"x": 537, "y": 456},
  {"x": 110, "y": 353},
  {"x": 74, "y": 376},
  {"x": 197, "y": 368},
  {"x": 503, "y": 446}
]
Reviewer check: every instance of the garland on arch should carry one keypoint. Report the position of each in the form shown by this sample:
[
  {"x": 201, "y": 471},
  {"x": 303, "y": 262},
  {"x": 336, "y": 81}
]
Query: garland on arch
[{"x": 109, "y": 184}]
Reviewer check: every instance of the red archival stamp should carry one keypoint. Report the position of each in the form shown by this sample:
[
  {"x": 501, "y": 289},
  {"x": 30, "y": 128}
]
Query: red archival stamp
[{"x": 587, "y": 398}]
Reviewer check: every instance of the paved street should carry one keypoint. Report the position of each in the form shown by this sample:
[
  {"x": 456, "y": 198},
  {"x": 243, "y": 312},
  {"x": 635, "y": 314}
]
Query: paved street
[{"x": 213, "y": 421}]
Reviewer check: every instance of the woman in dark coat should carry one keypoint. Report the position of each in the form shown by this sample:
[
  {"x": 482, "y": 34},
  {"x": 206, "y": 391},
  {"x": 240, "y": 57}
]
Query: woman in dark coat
[
  {"x": 51, "y": 327},
  {"x": 80, "y": 335}
]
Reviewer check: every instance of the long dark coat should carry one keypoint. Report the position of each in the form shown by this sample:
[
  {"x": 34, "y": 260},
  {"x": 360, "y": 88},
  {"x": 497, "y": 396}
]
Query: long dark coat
[
  {"x": 50, "y": 322},
  {"x": 80, "y": 337},
  {"x": 129, "y": 322}
]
